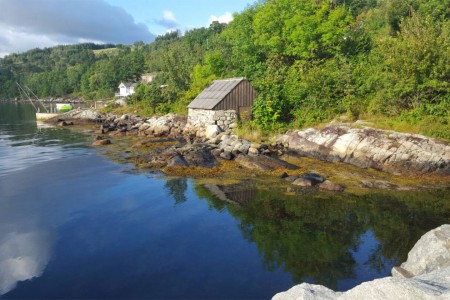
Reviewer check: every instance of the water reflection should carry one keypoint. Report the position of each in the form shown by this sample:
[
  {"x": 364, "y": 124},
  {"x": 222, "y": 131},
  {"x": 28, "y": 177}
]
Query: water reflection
[
  {"x": 29, "y": 142},
  {"x": 239, "y": 194},
  {"x": 337, "y": 241},
  {"x": 115, "y": 233},
  {"x": 176, "y": 188},
  {"x": 23, "y": 256}
]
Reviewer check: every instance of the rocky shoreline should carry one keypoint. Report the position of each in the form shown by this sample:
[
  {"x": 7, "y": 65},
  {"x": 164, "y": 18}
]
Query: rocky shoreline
[
  {"x": 365, "y": 147},
  {"x": 167, "y": 142},
  {"x": 425, "y": 275}
]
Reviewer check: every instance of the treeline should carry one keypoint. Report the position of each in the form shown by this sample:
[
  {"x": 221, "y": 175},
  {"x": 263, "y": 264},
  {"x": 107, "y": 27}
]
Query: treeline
[{"x": 310, "y": 61}]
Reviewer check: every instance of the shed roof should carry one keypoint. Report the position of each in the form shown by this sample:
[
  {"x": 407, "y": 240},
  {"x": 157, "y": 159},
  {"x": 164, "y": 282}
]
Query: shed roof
[
  {"x": 128, "y": 84},
  {"x": 216, "y": 92}
]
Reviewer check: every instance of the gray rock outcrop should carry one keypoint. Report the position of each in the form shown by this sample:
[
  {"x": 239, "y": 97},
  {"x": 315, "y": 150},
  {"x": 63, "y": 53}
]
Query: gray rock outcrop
[
  {"x": 366, "y": 147},
  {"x": 430, "y": 253},
  {"x": 427, "y": 270},
  {"x": 83, "y": 114}
]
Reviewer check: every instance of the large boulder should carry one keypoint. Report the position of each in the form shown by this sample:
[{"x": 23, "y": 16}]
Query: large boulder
[
  {"x": 367, "y": 147},
  {"x": 432, "y": 286},
  {"x": 306, "y": 291},
  {"x": 430, "y": 253}
]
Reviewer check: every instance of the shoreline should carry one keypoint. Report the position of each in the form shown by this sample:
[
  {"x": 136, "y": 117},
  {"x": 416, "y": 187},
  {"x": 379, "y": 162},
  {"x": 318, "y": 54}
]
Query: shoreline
[
  {"x": 163, "y": 144},
  {"x": 168, "y": 149}
]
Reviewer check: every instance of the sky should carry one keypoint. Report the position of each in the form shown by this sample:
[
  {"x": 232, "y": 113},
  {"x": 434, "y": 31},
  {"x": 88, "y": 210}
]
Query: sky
[{"x": 28, "y": 24}]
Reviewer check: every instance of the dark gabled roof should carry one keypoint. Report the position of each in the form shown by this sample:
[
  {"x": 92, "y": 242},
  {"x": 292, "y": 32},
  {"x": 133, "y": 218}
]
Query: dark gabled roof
[
  {"x": 128, "y": 84},
  {"x": 216, "y": 92}
]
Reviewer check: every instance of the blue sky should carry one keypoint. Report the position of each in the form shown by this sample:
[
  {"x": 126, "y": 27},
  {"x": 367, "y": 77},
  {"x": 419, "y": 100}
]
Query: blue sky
[
  {"x": 28, "y": 24},
  {"x": 187, "y": 14}
]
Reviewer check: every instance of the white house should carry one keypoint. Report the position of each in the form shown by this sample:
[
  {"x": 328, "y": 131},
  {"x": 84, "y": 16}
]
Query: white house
[{"x": 126, "y": 89}]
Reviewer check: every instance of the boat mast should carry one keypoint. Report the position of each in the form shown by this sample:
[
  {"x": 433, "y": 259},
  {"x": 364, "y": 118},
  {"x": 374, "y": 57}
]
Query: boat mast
[{"x": 27, "y": 94}]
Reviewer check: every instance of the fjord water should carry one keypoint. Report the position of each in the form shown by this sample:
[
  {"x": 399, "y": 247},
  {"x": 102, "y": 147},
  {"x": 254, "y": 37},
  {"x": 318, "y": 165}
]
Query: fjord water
[{"x": 74, "y": 224}]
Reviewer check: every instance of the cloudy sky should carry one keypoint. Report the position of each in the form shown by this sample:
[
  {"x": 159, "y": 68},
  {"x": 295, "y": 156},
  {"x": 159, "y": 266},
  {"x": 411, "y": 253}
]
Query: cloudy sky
[{"x": 27, "y": 24}]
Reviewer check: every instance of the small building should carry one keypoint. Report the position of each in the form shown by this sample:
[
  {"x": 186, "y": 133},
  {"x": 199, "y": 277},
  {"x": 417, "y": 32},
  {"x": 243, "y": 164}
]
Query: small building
[
  {"x": 222, "y": 103},
  {"x": 126, "y": 89}
]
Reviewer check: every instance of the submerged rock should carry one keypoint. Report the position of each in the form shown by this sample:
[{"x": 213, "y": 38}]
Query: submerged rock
[{"x": 101, "y": 141}]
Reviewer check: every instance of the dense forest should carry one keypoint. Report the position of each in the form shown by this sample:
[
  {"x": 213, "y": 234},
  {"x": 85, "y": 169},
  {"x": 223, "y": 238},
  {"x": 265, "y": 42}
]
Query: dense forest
[{"x": 310, "y": 61}]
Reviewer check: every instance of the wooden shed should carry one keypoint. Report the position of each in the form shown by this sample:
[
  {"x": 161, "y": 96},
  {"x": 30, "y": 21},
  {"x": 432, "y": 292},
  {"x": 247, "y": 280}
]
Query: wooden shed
[{"x": 227, "y": 94}]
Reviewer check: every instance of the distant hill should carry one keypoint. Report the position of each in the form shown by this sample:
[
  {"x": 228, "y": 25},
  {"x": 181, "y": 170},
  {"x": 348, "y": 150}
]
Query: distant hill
[{"x": 310, "y": 61}]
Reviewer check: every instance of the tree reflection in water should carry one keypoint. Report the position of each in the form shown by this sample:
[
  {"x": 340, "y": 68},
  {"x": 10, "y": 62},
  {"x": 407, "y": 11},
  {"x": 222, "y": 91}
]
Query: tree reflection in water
[
  {"x": 176, "y": 188},
  {"x": 314, "y": 236}
]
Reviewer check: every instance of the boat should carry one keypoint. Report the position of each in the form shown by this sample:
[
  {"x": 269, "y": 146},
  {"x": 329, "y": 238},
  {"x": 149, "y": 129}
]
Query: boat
[
  {"x": 64, "y": 107},
  {"x": 46, "y": 115}
]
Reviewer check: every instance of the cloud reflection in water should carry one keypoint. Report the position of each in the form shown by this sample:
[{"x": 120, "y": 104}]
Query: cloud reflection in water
[{"x": 23, "y": 256}]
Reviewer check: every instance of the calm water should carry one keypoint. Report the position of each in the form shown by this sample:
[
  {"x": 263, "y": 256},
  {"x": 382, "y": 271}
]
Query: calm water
[{"x": 73, "y": 224}]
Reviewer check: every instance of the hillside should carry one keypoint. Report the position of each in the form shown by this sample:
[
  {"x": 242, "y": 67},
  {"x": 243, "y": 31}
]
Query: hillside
[{"x": 311, "y": 61}]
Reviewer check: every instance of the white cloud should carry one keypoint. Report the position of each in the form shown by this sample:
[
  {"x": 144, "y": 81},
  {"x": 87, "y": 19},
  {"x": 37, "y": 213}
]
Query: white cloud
[
  {"x": 168, "y": 20},
  {"x": 225, "y": 18},
  {"x": 169, "y": 16},
  {"x": 29, "y": 24}
]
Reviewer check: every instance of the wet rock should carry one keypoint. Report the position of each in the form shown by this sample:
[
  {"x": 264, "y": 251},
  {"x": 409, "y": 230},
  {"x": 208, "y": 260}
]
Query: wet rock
[
  {"x": 331, "y": 186},
  {"x": 64, "y": 124},
  {"x": 178, "y": 161},
  {"x": 101, "y": 142},
  {"x": 313, "y": 177},
  {"x": 284, "y": 175},
  {"x": 198, "y": 155},
  {"x": 264, "y": 163}
]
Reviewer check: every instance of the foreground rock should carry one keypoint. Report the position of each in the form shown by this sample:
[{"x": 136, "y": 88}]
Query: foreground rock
[
  {"x": 366, "y": 147},
  {"x": 428, "y": 267},
  {"x": 431, "y": 252}
]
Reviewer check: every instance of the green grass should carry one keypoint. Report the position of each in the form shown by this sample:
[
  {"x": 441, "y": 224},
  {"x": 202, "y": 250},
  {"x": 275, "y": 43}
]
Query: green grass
[
  {"x": 107, "y": 52},
  {"x": 431, "y": 126}
]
